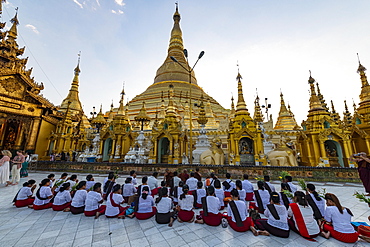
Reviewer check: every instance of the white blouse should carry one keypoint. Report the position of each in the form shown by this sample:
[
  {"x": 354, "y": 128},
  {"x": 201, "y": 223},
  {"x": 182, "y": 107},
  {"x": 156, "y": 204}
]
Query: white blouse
[
  {"x": 200, "y": 194},
  {"x": 128, "y": 190},
  {"x": 320, "y": 204},
  {"x": 111, "y": 210},
  {"x": 213, "y": 204},
  {"x": 187, "y": 202},
  {"x": 265, "y": 198},
  {"x": 242, "y": 195},
  {"x": 271, "y": 187},
  {"x": 247, "y": 186},
  {"x": 220, "y": 195},
  {"x": 341, "y": 222},
  {"x": 232, "y": 185},
  {"x": 309, "y": 221},
  {"x": 164, "y": 206},
  {"x": 79, "y": 198},
  {"x": 92, "y": 201},
  {"x": 292, "y": 187},
  {"x": 192, "y": 182},
  {"x": 145, "y": 205},
  {"x": 89, "y": 185},
  {"x": 24, "y": 193},
  {"x": 242, "y": 208},
  {"x": 176, "y": 181},
  {"x": 282, "y": 223},
  {"x": 62, "y": 197},
  {"x": 45, "y": 191}
]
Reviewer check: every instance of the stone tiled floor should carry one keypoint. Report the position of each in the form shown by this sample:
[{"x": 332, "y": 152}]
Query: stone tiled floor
[{"x": 25, "y": 227}]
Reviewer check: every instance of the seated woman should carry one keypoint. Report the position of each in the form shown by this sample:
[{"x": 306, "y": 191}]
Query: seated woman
[
  {"x": 164, "y": 213},
  {"x": 24, "y": 196},
  {"x": 43, "y": 196},
  {"x": 62, "y": 200},
  {"x": 144, "y": 183},
  {"x": 338, "y": 221},
  {"x": 89, "y": 182},
  {"x": 108, "y": 185},
  {"x": 302, "y": 221},
  {"x": 211, "y": 206},
  {"x": 237, "y": 215},
  {"x": 128, "y": 190},
  {"x": 185, "y": 207},
  {"x": 198, "y": 195},
  {"x": 78, "y": 201},
  {"x": 277, "y": 219},
  {"x": 284, "y": 199},
  {"x": 219, "y": 192},
  {"x": 261, "y": 197},
  {"x": 93, "y": 202},
  {"x": 114, "y": 199},
  {"x": 316, "y": 202},
  {"x": 145, "y": 208},
  {"x": 241, "y": 191},
  {"x": 176, "y": 192}
]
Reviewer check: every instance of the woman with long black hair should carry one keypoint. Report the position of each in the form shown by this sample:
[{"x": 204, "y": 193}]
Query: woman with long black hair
[
  {"x": 316, "y": 202},
  {"x": 164, "y": 214},
  {"x": 145, "y": 207},
  {"x": 211, "y": 206},
  {"x": 43, "y": 196},
  {"x": 185, "y": 207},
  {"x": 78, "y": 201},
  {"x": 261, "y": 197},
  {"x": 93, "y": 202},
  {"x": 24, "y": 196}
]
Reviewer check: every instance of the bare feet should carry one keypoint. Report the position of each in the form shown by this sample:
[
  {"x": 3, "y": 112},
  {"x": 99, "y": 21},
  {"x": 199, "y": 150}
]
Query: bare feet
[
  {"x": 199, "y": 221},
  {"x": 131, "y": 216},
  {"x": 254, "y": 231},
  {"x": 367, "y": 239},
  {"x": 15, "y": 183},
  {"x": 97, "y": 215},
  {"x": 179, "y": 220},
  {"x": 170, "y": 224},
  {"x": 325, "y": 234},
  {"x": 120, "y": 217},
  {"x": 264, "y": 233},
  {"x": 66, "y": 210},
  {"x": 30, "y": 206},
  {"x": 192, "y": 220}
]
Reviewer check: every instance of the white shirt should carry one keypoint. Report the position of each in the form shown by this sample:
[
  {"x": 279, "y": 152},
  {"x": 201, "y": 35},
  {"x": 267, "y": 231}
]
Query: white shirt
[
  {"x": 58, "y": 181},
  {"x": 309, "y": 221},
  {"x": 62, "y": 197},
  {"x": 134, "y": 181},
  {"x": 176, "y": 181},
  {"x": 24, "y": 193},
  {"x": 128, "y": 190},
  {"x": 45, "y": 191},
  {"x": 145, "y": 205},
  {"x": 187, "y": 202},
  {"x": 213, "y": 204},
  {"x": 192, "y": 182},
  {"x": 341, "y": 222},
  {"x": 271, "y": 186},
  {"x": 242, "y": 195},
  {"x": 142, "y": 187},
  {"x": 320, "y": 204},
  {"x": 164, "y": 206},
  {"x": 265, "y": 198},
  {"x": 90, "y": 185},
  {"x": 292, "y": 187},
  {"x": 200, "y": 194},
  {"x": 232, "y": 185},
  {"x": 79, "y": 198},
  {"x": 152, "y": 182},
  {"x": 179, "y": 192},
  {"x": 72, "y": 183},
  {"x": 247, "y": 186},
  {"x": 242, "y": 208},
  {"x": 51, "y": 183},
  {"x": 281, "y": 199},
  {"x": 220, "y": 195},
  {"x": 282, "y": 223},
  {"x": 113, "y": 211},
  {"x": 92, "y": 201}
]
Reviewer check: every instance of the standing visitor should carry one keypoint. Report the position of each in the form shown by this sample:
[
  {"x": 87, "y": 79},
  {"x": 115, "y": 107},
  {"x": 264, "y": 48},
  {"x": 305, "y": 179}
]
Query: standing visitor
[
  {"x": 16, "y": 167},
  {"x": 24, "y": 169},
  {"x": 4, "y": 167},
  {"x": 363, "y": 164}
]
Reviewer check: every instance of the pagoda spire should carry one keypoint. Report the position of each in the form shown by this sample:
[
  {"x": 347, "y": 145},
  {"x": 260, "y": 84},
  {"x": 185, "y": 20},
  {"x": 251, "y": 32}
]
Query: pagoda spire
[
  {"x": 13, "y": 33},
  {"x": 241, "y": 106},
  {"x": 171, "y": 110},
  {"x": 286, "y": 120},
  {"x": 121, "y": 108},
  {"x": 347, "y": 118},
  {"x": 315, "y": 103},
  {"x": 73, "y": 95},
  {"x": 321, "y": 97},
  {"x": 258, "y": 116},
  {"x": 170, "y": 70},
  {"x": 334, "y": 115},
  {"x": 365, "y": 88},
  {"x": 232, "y": 113}
]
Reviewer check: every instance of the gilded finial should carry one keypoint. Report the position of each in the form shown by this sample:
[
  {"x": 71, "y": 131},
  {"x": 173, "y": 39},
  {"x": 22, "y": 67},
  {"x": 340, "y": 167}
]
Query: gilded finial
[
  {"x": 311, "y": 80},
  {"x": 358, "y": 58},
  {"x": 77, "y": 69}
]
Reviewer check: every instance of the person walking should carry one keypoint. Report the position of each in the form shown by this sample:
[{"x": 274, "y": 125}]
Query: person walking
[
  {"x": 16, "y": 167},
  {"x": 4, "y": 167},
  {"x": 363, "y": 164},
  {"x": 24, "y": 169}
]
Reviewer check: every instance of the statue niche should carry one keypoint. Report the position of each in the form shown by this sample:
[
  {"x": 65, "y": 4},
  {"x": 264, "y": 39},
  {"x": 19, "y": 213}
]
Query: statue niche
[
  {"x": 282, "y": 156},
  {"x": 214, "y": 155}
]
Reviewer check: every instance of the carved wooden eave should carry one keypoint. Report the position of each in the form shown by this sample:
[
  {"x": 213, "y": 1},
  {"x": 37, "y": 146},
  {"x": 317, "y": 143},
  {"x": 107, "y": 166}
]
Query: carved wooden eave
[
  {"x": 242, "y": 132},
  {"x": 324, "y": 134},
  {"x": 362, "y": 133}
]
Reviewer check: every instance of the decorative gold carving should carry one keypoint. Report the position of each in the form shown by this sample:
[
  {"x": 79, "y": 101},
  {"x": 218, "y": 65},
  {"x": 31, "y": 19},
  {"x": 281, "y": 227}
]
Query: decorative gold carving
[
  {"x": 9, "y": 104},
  {"x": 10, "y": 84}
]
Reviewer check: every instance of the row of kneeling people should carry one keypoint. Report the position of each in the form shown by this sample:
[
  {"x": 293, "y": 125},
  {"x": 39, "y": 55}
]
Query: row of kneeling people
[{"x": 299, "y": 216}]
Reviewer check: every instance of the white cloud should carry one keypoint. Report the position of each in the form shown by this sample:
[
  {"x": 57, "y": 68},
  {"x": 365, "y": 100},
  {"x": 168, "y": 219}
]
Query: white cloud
[
  {"x": 119, "y": 12},
  {"x": 78, "y": 3},
  {"x": 33, "y": 28},
  {"x": 120, "y": 2},
  {"x": 97, "y": 1}
]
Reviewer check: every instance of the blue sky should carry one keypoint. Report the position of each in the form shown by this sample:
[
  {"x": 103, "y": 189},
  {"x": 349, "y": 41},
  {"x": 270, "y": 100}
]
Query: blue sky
[{"x": 275, "y": 42}]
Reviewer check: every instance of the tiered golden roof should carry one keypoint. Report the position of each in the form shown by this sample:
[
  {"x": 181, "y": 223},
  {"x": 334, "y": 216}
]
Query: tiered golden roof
[
  {"x": 257, "y": 116},
  {"x": 286, "y": 120}
]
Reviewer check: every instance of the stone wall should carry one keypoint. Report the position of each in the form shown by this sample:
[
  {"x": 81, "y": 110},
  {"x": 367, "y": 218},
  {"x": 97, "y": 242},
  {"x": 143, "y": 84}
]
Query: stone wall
[{"x": 324, "y": 174}]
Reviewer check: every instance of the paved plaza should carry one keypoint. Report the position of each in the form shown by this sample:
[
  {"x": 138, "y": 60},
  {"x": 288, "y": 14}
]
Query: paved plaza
[{"x": 25, "y": 227}]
